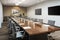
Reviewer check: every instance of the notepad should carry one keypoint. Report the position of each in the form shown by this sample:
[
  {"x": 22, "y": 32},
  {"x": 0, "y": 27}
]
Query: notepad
[{"x": 27, "y": 27}]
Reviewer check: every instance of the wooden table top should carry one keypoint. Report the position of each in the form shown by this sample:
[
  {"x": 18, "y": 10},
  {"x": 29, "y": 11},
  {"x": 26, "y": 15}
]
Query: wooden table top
[{"x": 39, "y": 28}]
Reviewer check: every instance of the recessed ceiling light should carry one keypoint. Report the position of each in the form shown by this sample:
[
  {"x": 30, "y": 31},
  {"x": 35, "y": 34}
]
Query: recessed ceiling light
[
  {"x": 16, "y": 4},
  {"x": 19, "y": 2},
  {"x": 23, "y": 0}
]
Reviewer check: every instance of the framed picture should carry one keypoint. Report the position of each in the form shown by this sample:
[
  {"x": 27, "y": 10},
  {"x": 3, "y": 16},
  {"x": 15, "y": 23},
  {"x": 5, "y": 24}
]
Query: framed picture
[
  {"x": 15, "y": 11},
  {"x": 38, "y": 11}
]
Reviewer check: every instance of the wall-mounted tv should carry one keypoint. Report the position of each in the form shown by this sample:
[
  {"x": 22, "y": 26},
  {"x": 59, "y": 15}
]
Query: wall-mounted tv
[
  {"x": 54, "y": 10},
  {"x": 37, "y": 11}
]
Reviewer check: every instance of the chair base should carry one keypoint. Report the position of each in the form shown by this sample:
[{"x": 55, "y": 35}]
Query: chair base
[{"x": 50, "y": 38}]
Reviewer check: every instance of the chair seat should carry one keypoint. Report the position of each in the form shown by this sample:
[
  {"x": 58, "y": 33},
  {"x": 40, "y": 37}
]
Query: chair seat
[{"x": 19, "y": 34}]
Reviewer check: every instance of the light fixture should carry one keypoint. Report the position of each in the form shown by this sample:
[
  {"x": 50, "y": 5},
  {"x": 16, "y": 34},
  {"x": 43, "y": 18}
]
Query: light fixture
[
  {"x": 17, "y": 2},
  {"x": 23, "y": 0}
]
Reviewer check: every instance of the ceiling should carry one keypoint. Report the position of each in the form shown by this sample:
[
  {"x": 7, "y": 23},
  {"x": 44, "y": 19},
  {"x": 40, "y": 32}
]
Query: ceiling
[{"x": 26, "y": 3}]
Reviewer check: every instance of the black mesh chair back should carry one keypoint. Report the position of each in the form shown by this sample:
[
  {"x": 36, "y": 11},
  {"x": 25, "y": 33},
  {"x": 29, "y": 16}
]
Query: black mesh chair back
[
  {"x": 35, "y": 20},
  {"x": 31, "y": 19},
  {"x": 51, "y": 22},
  {"x": 40, "y": 20}
]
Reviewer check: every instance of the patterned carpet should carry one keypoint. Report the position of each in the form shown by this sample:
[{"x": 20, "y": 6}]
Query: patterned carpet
[
  {"x": 4, "y": 32},
  {"x": 56, "y": 35}
]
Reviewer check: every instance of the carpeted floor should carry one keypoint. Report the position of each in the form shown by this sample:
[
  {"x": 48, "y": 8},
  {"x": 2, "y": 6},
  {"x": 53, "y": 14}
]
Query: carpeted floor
[
  {"x": 4, "y": 32},
  {"x": 56, "y": 35}
]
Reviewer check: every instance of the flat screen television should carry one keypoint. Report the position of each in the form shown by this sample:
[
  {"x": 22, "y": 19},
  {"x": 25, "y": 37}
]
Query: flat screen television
[
  {"x": 37, "y": 11},
  {"x": 54, "y": 10}
]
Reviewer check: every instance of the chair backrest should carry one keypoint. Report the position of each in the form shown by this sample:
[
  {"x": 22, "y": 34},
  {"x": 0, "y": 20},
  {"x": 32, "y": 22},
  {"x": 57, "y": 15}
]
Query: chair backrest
[
  {"x": 27, "y": 17},
  {"x": 40, "y": 20},
  {"x": 35, "y": 20},
  {"x": 17, "y": 28},
  {"x": 32, "y": 19},
  {"x": 51, "y": 22}
]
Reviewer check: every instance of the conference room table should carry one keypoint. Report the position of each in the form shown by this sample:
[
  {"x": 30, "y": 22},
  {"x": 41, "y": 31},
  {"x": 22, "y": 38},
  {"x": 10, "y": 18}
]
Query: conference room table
[{"x": 35, "y": 30}]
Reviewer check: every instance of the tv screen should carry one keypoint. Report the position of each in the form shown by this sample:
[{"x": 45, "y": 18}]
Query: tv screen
[
  {"x": 37, "y": 11},
  {"x": 55, "y": 10}
]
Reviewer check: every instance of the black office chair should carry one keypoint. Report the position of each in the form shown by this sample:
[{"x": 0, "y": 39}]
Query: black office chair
[
  {"x": 9, "y": 26},
  {"x": 11, "y": 30},
  {"x": 19, "y": 34},
  {"x": 9, "y": 21},
  {"x": 52, "y": 23},
  {"x": 35, "y": 20},
  {"x": 32, "y": 19},
  {"x": 17, "y": 28},
  {"x": 40, "y": 20},
  {"x": 27, "y": 17}
]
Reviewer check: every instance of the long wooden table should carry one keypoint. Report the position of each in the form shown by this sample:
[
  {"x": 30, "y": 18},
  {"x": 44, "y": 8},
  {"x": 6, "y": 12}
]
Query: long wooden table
[{"x": 38, "y": 30}]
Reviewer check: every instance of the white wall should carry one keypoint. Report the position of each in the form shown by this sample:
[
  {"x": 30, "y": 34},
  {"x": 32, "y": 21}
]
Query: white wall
[
  {"x": 44, "y": 16},
  {"x": 1, "y": 14}
]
